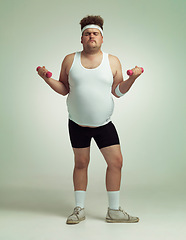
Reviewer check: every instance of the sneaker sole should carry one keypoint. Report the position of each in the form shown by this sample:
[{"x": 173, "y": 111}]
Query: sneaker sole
[
  {"x": 75, "y": 222},
  {"x": 121, "y": 221}
]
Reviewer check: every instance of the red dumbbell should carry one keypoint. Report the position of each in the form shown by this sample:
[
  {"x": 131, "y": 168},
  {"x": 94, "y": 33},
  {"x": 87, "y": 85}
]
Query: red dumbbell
[
  {"x": 130, "y": 72},
  {"x": 48, "y": 74}
]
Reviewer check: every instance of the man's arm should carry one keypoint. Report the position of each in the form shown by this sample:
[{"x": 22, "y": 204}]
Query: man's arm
[
  {"x": 124, "y": 86},
  {"x": 117, "y": 73},
  {"x": 60, "y": 86}
]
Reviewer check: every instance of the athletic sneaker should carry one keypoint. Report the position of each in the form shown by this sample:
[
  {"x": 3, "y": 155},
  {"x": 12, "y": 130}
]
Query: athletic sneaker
[
  {"x": 77, "y": 216},
  {"x": 120, "y": 216}
]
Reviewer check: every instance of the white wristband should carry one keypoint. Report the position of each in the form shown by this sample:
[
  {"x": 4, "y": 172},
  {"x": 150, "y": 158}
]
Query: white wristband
[{"x": 118, "y": 93}]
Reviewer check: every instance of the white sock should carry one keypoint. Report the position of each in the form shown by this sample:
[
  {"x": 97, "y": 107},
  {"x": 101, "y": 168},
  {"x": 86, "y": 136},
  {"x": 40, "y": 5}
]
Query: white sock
[
  {"x": 113, "y": 199},
  {"x": 80, "y": 198}
]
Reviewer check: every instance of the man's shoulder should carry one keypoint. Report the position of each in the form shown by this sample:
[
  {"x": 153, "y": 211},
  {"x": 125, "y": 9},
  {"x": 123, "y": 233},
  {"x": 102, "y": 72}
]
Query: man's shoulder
[
  {"x": 113, "y": 58},
  {"x": 114, "y": 61},
  {"x": 68, "y": 59},
  {"x": 69, "y": 56}
]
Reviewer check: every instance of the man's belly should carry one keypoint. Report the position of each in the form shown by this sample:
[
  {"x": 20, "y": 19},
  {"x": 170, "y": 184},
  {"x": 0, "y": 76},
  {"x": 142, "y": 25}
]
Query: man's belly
[{"x": 90, "y": 110}]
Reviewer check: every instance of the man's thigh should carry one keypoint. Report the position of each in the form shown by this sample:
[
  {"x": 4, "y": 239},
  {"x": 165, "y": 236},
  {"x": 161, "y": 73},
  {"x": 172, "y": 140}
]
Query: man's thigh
[
  {"x": 112, "y": 153},
  {"x": 106, "y": 136},
  {"x": 81, "y": 156},
  {"x": 79, "y": 136}
]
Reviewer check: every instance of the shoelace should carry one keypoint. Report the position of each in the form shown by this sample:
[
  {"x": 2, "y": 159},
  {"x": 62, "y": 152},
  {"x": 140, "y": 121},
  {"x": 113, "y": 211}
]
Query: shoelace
[
  {"x": 77, "y": 210},
  {"x": 124, "y": 212}
]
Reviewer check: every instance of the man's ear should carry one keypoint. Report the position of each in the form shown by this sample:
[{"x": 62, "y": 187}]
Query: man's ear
[{"x": 81, "y": 39}]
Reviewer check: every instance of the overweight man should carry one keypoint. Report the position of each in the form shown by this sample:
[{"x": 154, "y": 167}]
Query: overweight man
[{"x": 90, "y": 78}]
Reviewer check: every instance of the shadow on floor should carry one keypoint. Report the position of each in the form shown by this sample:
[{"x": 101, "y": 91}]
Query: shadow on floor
[{"x": 55, "y": 202}]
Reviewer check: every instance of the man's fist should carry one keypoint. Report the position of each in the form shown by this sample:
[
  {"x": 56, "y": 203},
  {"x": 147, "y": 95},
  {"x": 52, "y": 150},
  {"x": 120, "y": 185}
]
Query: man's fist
[
  {"x": 43, "y": 72},
  {"x": 135, "y": 72}
]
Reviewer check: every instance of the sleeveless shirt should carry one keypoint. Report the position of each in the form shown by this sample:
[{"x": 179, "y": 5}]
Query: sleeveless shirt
[{"x": 90, "y": 101}]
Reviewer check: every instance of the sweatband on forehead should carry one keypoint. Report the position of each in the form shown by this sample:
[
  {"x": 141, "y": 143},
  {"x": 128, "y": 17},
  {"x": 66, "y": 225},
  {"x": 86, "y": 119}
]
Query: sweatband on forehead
[{"x": 92, "y": 26}]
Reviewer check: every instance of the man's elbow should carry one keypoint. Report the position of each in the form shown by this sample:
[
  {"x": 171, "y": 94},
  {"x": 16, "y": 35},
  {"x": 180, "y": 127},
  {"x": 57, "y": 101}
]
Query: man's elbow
[{"x": 115, "y": 95}]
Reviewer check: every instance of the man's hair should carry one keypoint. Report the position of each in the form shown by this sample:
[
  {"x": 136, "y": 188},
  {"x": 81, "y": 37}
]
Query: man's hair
[{"x": 97, "y": 20}]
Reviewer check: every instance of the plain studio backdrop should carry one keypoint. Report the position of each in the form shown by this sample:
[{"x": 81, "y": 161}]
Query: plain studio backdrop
[{"x": 36, "y": 159}]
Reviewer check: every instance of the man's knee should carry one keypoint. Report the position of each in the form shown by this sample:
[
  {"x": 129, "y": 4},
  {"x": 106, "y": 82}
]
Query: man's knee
[
  {"x": 117, "y": 162},
  {"x": 81, "y": 157},
  {"x": 81, "y": 162}
]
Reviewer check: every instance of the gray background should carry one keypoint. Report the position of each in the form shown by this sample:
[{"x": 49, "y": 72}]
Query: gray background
[{"x": 36, "y": 159}]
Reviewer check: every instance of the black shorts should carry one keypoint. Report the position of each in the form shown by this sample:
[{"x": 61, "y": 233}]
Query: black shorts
[{"x": 104, "y": 136}]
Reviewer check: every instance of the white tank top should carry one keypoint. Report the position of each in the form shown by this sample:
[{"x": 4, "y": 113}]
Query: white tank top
[{"x": 90, "y": 101}]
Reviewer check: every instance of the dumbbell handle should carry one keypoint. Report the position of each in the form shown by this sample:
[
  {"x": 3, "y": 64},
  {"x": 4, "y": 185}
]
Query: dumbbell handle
[
  {"x": 130, "y": 72},
  {"x": 48, "y": 74}
]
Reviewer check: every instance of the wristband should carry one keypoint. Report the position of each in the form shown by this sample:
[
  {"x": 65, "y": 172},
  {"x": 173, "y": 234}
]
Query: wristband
[{"x": 118, "y": 93}]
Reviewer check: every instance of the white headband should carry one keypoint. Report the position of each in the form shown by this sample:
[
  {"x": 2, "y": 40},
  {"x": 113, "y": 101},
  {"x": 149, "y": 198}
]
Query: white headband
[{"x": 92, "y": 26}]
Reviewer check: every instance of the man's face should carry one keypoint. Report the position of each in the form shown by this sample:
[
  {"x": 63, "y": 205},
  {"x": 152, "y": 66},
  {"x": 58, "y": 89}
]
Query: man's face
[{"x": 92, "y": 39}]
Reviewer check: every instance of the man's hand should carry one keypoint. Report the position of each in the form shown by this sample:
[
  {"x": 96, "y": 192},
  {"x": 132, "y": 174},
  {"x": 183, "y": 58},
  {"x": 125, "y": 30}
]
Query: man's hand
[
  {"x": 137, "y": 71},
  {"x": 42, "y": 72},
  {"x": 133, "y": 74}
]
